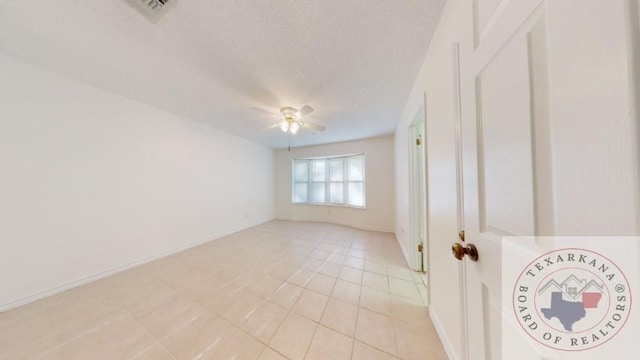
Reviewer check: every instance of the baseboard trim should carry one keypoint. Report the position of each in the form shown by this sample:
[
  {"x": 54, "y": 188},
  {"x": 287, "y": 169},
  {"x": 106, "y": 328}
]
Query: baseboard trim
[
  {"x": 446, "y": 343},
  {"x": 337, "y": 222},
  {"x": 117, "y": 269}
]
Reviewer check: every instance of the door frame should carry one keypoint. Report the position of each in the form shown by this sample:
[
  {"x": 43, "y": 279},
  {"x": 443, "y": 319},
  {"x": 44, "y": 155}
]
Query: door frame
[
  {"x": 418, "y": 219},
  {"x": 462, "y": 283}
]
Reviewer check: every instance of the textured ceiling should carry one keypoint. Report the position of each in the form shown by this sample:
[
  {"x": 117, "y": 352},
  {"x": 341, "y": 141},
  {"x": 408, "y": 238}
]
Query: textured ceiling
[{"x": 354, "y": 61}]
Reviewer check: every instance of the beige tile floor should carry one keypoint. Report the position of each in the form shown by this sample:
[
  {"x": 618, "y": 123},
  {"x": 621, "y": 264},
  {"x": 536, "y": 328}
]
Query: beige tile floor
[{"x": 282, "y": 290}]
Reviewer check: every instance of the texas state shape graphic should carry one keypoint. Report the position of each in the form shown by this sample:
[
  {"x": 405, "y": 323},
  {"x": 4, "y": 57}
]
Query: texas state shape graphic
[{"x": 568, "y": 312}]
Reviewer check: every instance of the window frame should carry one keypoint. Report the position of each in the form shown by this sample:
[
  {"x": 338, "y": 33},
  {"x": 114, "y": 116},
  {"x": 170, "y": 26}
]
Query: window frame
[
  {"x": 327, "y": 181},
  {"x": 296, "y": 182},
  {"x": 343, "y": 182},
  {"x": 313, "y": 181},
  {"x": 348, "y": 181}
]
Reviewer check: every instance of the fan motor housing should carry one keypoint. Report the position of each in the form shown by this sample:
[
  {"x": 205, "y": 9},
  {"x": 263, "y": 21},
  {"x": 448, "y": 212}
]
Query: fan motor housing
[{"x": 289, "y": 112}]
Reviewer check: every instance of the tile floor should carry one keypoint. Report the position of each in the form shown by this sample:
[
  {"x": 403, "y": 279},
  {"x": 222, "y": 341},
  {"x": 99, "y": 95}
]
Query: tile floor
[{"x": 282, "y": 290}]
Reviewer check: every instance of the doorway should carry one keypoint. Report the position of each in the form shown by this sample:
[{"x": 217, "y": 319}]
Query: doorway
[{"x": 417, "y": 194}]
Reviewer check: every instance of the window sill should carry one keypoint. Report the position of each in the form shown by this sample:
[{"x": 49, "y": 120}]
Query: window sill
[{"x": 332, "y": 205}]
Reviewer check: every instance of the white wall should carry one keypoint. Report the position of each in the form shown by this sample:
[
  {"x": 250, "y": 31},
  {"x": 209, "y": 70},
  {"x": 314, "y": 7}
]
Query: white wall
[
  {"x": 379, "y": 212},
  {"x": 91, "y": 182},
  {"x": 436, "y": 79}
]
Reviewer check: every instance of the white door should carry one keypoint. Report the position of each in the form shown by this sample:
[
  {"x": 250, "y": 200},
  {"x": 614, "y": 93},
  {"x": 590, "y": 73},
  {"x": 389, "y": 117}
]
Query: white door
[
  {"x": 547, "y": 145},
  {"x": 417, "y": 197}
]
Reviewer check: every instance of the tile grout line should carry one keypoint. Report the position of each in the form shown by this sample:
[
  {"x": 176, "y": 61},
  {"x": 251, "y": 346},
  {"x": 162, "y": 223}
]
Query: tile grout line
[
  {"x": 355, "y": 255},
  {"x": 159, "y": 342}
]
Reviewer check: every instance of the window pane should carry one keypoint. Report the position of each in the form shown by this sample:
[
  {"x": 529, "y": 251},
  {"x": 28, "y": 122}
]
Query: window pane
[
  {"x": 319, "y": 170},
  {"x": 301, "y": 170},
  {"x": 301, "y": 193},
  {"x": 336, "y": 193},
  {"x": 336, "y": 169},
  {"x": 356, "y": 194},
  {"x": 318, "y": 193},
  {"x": 356, "y": 168},
  {"x": 338, "y": 181}
]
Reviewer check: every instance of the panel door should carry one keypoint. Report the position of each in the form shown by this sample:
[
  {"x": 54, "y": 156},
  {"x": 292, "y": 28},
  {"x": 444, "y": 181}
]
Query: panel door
[
  {"x": 541, "y": 155},
  {"x": 504, "y": 122}
]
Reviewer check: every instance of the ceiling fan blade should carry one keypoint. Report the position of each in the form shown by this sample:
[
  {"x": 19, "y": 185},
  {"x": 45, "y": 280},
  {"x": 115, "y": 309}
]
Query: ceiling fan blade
[
  {"x": 313, "y": 126},
  {"x": 264, "y": 111},
  {"x": 305, "y": 110},
  {"x": 270, "y": 126}
]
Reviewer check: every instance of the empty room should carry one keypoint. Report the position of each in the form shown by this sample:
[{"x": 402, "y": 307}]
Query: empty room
[{"x": 336, "y": 179}]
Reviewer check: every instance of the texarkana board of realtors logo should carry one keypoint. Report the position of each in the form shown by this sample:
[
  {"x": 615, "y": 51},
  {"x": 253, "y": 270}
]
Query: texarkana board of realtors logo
[{"x": 572, "y": 299}]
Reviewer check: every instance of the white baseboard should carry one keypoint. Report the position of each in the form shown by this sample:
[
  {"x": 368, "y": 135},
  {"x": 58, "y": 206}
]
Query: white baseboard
[
  {"x": 446, "y": 343},
  {"x": 335, "y": 221},
  {"x": 76, "y": 283}
]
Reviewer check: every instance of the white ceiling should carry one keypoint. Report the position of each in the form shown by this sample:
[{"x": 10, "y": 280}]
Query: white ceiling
[{"x": 354, "y": 61}]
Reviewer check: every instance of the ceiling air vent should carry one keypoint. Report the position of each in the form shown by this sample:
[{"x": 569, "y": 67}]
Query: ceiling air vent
[{"x": 153, "y": 8}]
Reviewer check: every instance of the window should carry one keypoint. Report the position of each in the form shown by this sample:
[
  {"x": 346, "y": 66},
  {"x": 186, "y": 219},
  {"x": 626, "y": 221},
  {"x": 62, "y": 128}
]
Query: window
[{"x": 335, "y": 180}]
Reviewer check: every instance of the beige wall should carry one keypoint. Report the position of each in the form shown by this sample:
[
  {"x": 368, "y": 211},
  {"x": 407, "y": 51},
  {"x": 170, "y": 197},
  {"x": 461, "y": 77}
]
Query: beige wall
[
  {"x": 436, "y": 79},
  {"x": 379, "y": 212}
]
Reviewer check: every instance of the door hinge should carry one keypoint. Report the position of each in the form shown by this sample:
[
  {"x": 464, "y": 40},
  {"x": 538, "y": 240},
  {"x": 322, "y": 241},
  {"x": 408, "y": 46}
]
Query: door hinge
[
  {"x": 418, "y": 141},
  {"x": 420, "y": 247}
]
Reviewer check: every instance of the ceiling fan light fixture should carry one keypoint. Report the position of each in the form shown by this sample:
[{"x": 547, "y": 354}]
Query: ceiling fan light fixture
[
  {"x": 293, "y": 128},
  {"x": 290, "y": 120}
]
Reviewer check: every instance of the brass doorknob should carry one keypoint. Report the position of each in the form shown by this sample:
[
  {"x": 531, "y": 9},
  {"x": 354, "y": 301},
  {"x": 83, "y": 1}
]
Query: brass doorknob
[{"x": 460, "y": 251}]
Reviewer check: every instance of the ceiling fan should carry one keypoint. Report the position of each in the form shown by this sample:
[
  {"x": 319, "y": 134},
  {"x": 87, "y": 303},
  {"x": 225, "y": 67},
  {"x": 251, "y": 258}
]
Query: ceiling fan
[{"x": 290, "y": 119}]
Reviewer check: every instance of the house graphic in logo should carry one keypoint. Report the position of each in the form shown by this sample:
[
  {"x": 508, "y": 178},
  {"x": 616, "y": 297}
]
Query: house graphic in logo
[{"x": 570, "y": 299}]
